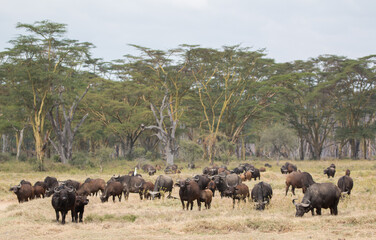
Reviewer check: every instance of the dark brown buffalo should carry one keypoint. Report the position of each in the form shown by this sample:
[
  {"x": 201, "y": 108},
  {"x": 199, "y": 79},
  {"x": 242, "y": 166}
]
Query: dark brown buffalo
[
  {"x": 347, "y": 173},
  {"x": 288, "y": 168},
  {"x": 211, "y": 171},
  {"x": 147, "y": 168},
  {"x": 146, "y": 188},
  {"x": 298, "y": 180},
  {"x": 261, "y": 194},
  {"x": 63, "y": 200},
  {"x": 255, "y": 173},
  {"x": 345, "y": 184},
  {"x": 91, "y": 187},
  {"x": 240, "y": 192},
  {"x": 211, "y": 186},
  {"x": 191, "y": 166},
  {"x": 113, "y": 189},
  {"x": 172, "y": 169},
  {"x": 330, "y": 171},
  {"x": 79, "y": 207},
  {"x": 38, "y": 191},
  {"x": 51, "y": 184},
  {"x": 247, "y": 175},
  {"x": 319, "y": 195},
  {"x": 24, "y": 192},
  {"x": 206, "y": 196},
  {"x": 202, "y": 181},
  {"x": 189, "y": 191},
  {"x": 267, "y": 165}
]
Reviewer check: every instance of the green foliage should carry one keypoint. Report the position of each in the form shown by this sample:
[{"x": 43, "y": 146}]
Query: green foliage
[
  {"x": 190, "y": 151},
  {"x": 82, "y": 161},
  {"x": 278, "y": 139}
]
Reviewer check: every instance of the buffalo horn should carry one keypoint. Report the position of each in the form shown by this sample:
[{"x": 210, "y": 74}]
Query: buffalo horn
[
  {"x": 70, "y": 189},
  {"x": 306, "y": 204},
  {"x": 138, "y": 186},
  {"x": 56, "y": 191},
  {"x": 19, "y": 185},
  {"x": 293, "y": 201}
]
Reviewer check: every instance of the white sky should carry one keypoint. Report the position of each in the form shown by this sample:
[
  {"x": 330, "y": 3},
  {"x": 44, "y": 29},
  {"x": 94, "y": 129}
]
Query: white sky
[{"x": 288, "y": 29}]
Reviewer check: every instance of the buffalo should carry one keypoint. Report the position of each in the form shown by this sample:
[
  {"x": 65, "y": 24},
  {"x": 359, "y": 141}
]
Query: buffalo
[
  {"x": 298, "y": 180},
  {"x": 224, "y": 181},
  {"x": 39, "y": 189},
  {"x": 113, "y": 189},
  {"x": 317, "y": 196},
  {"x": 64, "y": 200},
  {"x": 24, "y": 192},
  {"x": 211, "y": 186},
  {"x": 51, "y": 184},
  {"x": 147, "y": 168},
  {"x": 189, "y": 191},
  {"x": 146, "y": 188},
  {"x": 202, "y": 180},
  {"x": 133, "y": 184},
  {"x": 91, "y": 187},
  {"x": 330, "y": 171},
  {"x": 345, "y": 184},
  {"x": 239, "y": 191},
  {"x": 79, "y": 207},
  {"x": 261, "y": 194},
  {"x": 172, "y": 169},
  {"x": 255, "y": 173},
  {"x": 162, "y": 184},
  {"x": 288, "y": 168},
  {"x": 206, "y": 196},
  {"x": 347, "y": 173}
]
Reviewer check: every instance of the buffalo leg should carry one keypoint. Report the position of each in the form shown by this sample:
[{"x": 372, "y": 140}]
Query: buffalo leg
[
  {"x": 119, "y": 196},
  {"x": 313, "y": 212},
  {"x": 233, "y": 203},
  {"x": 63, "y": 214},
  {"x": 335, "y": 210},
  {"x": 81, "y": 215},
  {"x": 318, "y": 211},
  {"x": 198, "y": 204},
  {"x": 182, "y": 202},
  {"x": 57, "y": 215},
  {"x": 287, "y": 189},
  {"x": 113, "y": 198}
]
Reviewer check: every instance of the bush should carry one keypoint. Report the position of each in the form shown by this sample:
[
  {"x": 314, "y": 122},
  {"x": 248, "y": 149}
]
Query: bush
[
  {"x": 82, "y": 161},
  {"x": 4, "y": 157}
]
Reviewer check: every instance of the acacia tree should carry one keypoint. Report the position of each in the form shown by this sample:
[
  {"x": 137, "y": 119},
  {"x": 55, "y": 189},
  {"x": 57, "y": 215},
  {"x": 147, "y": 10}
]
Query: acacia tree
[
  {"x": 120, "y": 108},
  {"x": 65, "y": 134},
  {"x": 165, "y": 74},
  {"x": 229, "y": 89},
  {"x": 356, "y": 98},
  {"x": 308, "y": 101},
  {"x": 40, "y": 63}
]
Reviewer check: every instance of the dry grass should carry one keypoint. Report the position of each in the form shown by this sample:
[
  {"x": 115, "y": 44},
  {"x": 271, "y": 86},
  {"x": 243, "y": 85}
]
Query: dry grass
[{"x": 165, "y": 219}]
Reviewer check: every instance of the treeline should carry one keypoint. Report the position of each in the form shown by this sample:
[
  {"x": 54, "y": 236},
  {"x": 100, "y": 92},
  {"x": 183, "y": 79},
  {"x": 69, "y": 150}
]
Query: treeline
[{"x": 188, "y": 102}]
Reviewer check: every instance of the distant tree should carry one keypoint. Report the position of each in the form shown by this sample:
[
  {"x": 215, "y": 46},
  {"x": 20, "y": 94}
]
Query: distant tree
[
  {"x": 39, "y": 64},
  {"x": 279, "y": 140}
]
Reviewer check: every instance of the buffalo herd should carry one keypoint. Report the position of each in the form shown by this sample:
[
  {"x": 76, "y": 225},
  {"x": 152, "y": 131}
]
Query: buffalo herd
[{"x": 71, "y": 195}]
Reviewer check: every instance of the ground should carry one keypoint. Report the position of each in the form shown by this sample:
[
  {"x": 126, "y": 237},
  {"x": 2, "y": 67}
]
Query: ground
[{"x": 165, "y": 219}]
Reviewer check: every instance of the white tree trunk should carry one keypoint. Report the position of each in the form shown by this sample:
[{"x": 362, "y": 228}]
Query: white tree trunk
[{"x": 20, "y": 143}]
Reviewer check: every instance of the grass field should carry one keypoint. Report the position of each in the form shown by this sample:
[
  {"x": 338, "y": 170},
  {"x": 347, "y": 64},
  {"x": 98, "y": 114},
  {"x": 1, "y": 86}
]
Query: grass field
[{"x": 165, "y": 219}]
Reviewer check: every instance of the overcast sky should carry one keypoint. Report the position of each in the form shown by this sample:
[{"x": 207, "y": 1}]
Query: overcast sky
[{"x": 288, "y": 29}]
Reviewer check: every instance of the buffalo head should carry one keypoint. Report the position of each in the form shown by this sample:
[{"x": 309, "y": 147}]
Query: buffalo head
[{"x": 301, "y": 208}]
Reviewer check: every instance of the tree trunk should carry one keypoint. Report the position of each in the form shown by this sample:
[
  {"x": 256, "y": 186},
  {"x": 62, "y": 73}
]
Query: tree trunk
[
  {"x": 19, "y": 143},
  {"x": 301, "y": 149},
  {"x": 354, "y": 148},
  {"x": 5, "y": 143},
  {"x": 365, "y": 148}
]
